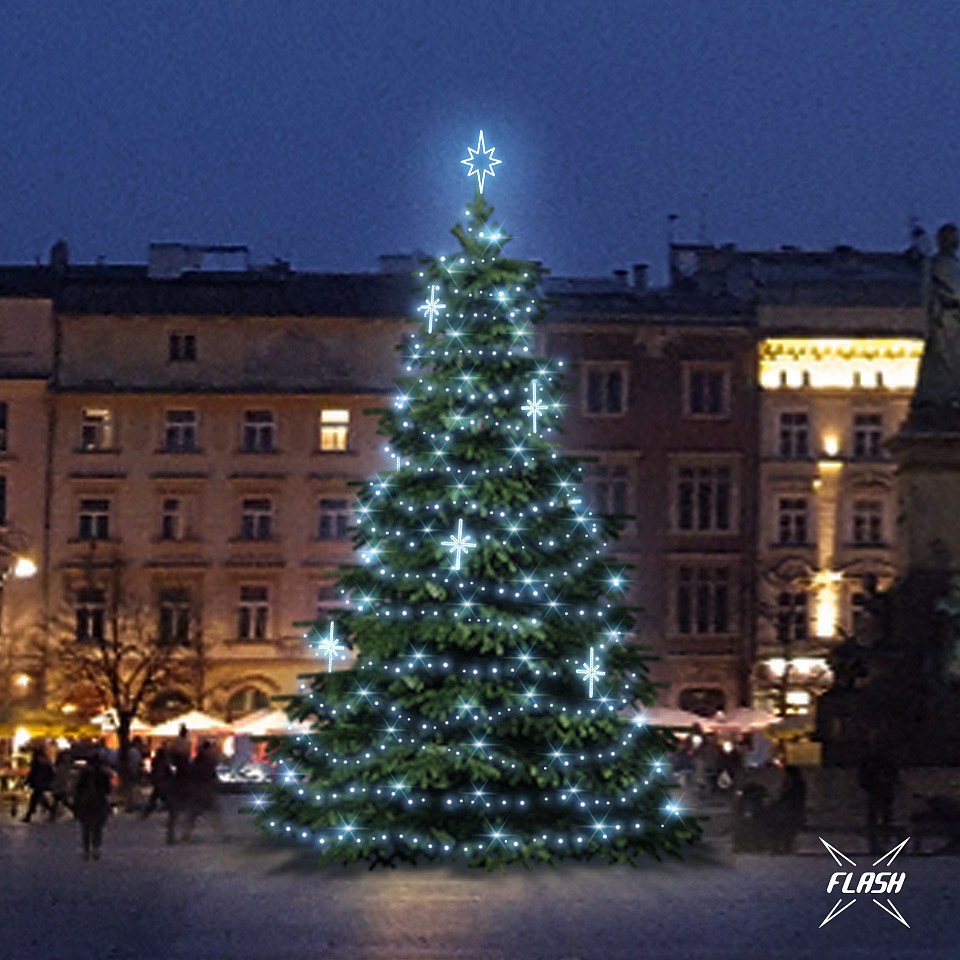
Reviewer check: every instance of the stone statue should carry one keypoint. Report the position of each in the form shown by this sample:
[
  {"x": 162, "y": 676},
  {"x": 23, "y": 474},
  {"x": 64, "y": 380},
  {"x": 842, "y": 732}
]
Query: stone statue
[{"x": 936, "y": 402}]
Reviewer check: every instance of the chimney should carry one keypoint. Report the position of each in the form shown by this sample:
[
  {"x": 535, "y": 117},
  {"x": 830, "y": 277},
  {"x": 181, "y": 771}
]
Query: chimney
[
  {"x": 60, "y": 256},
  {"x": 640, "y": 276},
  {"x": 621, "y": 276}
]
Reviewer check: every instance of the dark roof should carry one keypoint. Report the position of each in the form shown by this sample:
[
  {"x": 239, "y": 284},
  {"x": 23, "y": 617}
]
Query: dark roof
[
  {"x": 26, "y": 281},
  {"x": 130, "y": 291}
]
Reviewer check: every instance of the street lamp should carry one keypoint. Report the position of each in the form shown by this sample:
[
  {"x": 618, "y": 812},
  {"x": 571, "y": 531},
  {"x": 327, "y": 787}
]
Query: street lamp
[{"x": 18, "y": 567}]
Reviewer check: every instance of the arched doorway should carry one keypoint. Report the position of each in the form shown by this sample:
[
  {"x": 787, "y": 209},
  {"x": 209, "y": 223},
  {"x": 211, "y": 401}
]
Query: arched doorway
[
  {"x": 703, "y": 701},
  {"x": 247, "y": 700}
]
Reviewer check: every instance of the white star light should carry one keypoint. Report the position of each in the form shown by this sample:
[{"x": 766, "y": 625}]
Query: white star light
[
  {"x": 534, "y": 407},
  {"x": 330, "y": 647},
  {"x": 459, "y": 544},
  {"x": 431, "y": 307},
  {"x": 591, "y": 672},
  {"x": 482, "y": 169}
]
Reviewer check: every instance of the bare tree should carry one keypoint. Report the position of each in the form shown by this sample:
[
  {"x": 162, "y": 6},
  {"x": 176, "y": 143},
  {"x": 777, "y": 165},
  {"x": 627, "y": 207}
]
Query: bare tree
[{"x": 115, "y": 645}]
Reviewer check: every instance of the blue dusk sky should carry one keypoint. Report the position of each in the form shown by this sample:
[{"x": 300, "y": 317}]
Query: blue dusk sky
[{"x": 327, "y": 133}]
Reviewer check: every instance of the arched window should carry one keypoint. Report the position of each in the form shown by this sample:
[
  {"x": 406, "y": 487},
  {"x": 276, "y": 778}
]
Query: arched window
[{"x": 247, "y": 701}]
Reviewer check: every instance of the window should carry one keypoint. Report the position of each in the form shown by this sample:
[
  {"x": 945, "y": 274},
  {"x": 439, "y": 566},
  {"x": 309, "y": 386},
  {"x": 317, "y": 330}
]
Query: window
[
  {"x": 328, "y": 598},
  {"x": 792, "y": 520},
  {"x": 256, "y": 519},
  {"x": 90, "y": 612},
  {"x": 858, "y": 613},
  {"x": 703, "y": 500},
  {"x": 867, "y": 522},
  {"x": 334, "y": 430},
  {"x": 180, "y": 433},
  {"x": 609, "y": 489},
  {"x": 703, "y": 600},
  {"x": 247, "y": 700},
  {"x": 703, "y": 701},
  {"x": 606, "y": 391},
  {"x": 175, "y": 615},
  {"x": 792, "y": 616},
  {"x": 253, "y": 614},
  {"x": 707, "y": 391},
  {"x": 171, "y": 519},
  {"x": 3, "y": 427},
  {"x": 3, "y": 501},
  {"x": 794, "y": 435},
  {"x": 333, "y": 519},
  {"x": 259, "y": 431},
  {"x": 96, "y": 429},
  {"x": 868, "y": 436},
  {"x": 183, "y": 347},
  {"x": 94, "y": 520}
]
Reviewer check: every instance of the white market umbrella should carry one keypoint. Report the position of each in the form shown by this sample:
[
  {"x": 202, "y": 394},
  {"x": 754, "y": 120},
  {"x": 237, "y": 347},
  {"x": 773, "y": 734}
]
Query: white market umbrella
[
  {"x": 195, "y": 722},
  {"x": 740, "y": 719},
  {"x": 269, "y": 722},
  {"x": 667, "y": 717}
]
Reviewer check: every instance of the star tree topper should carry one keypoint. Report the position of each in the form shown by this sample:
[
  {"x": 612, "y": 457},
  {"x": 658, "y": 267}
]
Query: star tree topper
[{"x": 481, "y": 169}]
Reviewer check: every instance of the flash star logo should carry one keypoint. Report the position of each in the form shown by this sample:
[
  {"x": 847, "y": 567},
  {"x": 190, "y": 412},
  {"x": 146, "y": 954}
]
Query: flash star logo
[{"x": 883, "y": 881}]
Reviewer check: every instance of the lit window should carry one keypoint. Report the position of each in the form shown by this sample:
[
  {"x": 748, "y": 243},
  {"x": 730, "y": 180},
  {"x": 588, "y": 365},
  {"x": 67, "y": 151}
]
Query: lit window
[
  {"x": 794, "y": 435},
  {"x": 175, "y": 616},
  {"x": 96, "y": 430},
  {"x": 333, "y": 519},
  {"x": 706, "y": 390},
  {"x": 703, "y": 600},
  {"x": 256, "y": 519},
  {"x": 867, "y": 522},
  {"x": 868, "y": 436},
  {"x": 259, "y": 431},
  {"x": 334, "y": 430},
  {"x": 704, "y": 499},
  {"x": 90, "y": 610},
  {"x": 180, "y": 432},
  {"x": 183, "y": 347},
  {"x": 253, "y": 613},
  {"x": 94, "y": 520},
  {"x": 606, "y": 390},
  {"x": 792, "y": 520}
]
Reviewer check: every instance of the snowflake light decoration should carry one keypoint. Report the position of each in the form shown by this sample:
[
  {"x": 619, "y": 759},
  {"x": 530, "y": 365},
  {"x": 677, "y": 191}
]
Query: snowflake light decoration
[
  {"x": 591, "y": 672},
  {"x": 330, "y": 647},
  {"x": 459, "y": 544},
  {"x": 534, "y": 407},
  {"x": 480, "y": 170},
  {"x": 431, "y": 307}
]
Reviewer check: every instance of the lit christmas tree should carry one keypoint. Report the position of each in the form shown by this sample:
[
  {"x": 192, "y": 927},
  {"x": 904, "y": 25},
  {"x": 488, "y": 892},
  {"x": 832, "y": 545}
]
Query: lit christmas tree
[{"x": 489, "y": 714}]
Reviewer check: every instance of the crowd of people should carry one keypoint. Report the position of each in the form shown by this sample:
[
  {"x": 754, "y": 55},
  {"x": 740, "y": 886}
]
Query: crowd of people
[{"x": 89, "y": 781}]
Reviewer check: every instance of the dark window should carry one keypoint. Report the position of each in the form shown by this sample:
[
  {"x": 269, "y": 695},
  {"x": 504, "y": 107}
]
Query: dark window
[
  {"x": 333, "y": 520},
  {"x": 3, "y": 427},
  {"x": 703, "y": 701},
  {"x": 703, "y": 499},
  {"x": 794, "y": 435},
  {"x": 605, "y": 390},
  {"x": 703, "y": 600},
  {"x": 3, "y": 501},
  {"x": 247, "y": 700},
  {"x": 868, "y": 436},
  {"x": 94, "y": 520},
  {"x": 259, "y": 431},
  {"x": 609, "y": 489},
  {"x": 867, "y": 522},
  {"x": 90, "y": 615},
  {"x": 183, "y": 347},
  {"x": 256, "y": 520},
  {"x": 180, "y": 432},
  {"x": 96, "y": 430},
  {"x": 171, "y": 519},
  {"x": 253, "y": 613},
  {"x": 706, "y": 391},
  {"x": 792, "y": 520},
  {"x": 175, "y": 615},
  {"x": 792, "y": 616}
]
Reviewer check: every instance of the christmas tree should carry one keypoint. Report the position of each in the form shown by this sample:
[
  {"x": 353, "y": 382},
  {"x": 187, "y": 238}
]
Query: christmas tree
[{"x": 488, "y": 716}]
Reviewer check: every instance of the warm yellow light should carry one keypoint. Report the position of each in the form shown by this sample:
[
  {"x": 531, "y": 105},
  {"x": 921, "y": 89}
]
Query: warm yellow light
[
  {"x": 777, "y": 665},
  {"x": 23, "y": 680},
  {"x": 21, "y": 738},
  {"x": 828, "y": 602},
  {"x": 799, "y": 698},
  {"x": 69, "y": 708},
  {"x": 831, "y": 445},
  {"x": 866, "y": 363},
  {"x": 24, "y": 568}
]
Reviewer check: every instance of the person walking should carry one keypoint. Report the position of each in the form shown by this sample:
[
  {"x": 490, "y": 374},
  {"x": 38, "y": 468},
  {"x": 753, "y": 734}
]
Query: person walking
[
  {"x": 60, "y": 783},
  {"x": 161, "y": 773},
  {"x": 91, "y": 804},
  {"x": 203, "y": 780},
  {"x": 39, "y": 780}
]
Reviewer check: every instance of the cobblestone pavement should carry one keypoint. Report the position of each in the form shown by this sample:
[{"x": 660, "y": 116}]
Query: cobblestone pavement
[{"x": 248, "y": 898}]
